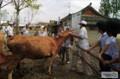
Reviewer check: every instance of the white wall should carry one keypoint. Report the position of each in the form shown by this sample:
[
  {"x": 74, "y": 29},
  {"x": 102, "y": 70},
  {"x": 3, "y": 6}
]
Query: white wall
[{"x": 75, "y": 20}]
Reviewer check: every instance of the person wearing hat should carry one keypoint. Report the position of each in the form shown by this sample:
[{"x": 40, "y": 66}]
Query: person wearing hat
[
  {"x": 25, "y": 30},
  {"x": 43, "y": 31},
  {"x": 83, "y": 43},
  {"x": 9, "y": 30}
]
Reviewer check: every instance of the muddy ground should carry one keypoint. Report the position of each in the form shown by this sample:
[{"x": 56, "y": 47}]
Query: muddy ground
[{"x": 35, "y": 70}]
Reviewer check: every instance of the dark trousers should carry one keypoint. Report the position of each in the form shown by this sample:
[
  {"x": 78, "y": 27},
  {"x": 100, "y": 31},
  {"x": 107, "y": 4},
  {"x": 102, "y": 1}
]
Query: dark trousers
[
  {"x": 105, "y": 67},
  {"x": 64, "y": 51}
]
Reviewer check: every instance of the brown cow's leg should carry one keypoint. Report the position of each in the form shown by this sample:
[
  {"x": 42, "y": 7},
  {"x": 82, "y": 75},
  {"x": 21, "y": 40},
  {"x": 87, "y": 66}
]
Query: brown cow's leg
[
  {"x": 11, "y": 66},
  {"x": 51, "y": 64},
  {"x": 10, "y": 74}
]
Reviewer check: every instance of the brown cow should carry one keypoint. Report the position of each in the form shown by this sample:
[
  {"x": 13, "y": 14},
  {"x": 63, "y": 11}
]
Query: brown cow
[
  {"x": 36, "y": 47},
  {"x": 1, "y": 42}
]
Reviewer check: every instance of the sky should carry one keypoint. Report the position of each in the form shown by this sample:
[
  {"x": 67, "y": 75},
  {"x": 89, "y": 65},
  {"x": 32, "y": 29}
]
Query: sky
[{"x": 52, "y": 10}]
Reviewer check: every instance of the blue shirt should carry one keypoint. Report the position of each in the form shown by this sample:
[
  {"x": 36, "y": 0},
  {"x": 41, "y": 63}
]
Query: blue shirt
[
  {"x": 103, "y": 39},
  {"x": 113, "y": 50}
]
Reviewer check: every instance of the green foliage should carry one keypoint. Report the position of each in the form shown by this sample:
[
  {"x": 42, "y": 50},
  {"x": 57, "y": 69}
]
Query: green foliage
[
  {"x": 110, "y": 7},
  {"x": 115, "y": 7},
  {"x": 4, "y": 3},
  {"x": 32, "y": 4},
  {"x": 105, "y": 7},
  {"x": 22, "y": 4}
]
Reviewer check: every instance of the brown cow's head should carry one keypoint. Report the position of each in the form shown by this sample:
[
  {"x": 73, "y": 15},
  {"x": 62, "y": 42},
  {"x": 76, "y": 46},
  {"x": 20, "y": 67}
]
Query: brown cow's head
[{"x": 65, "y": 34}]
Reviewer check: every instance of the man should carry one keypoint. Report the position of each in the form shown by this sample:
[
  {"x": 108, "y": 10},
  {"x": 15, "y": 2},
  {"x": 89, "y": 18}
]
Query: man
[
  {"x": 9, "y": 31},
  {"x": 42, "y": 31},
  {"x": 111, "y": 48},
  {"x": 101, "y": 25},
  {"x": 9, "y": 34},
  {"x": 110, "y": 51},
  {"x": 83, "y": 43},
  {"x": 66, "y": 49},
  {"x": 25, "y": 30}
]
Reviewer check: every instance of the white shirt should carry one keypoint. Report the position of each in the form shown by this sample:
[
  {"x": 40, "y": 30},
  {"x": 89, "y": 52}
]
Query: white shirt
[
  {"x": 25, "y": 31},
  {"x": 113, "y": 50},
  {"x": 67, "y": 43},
  {"x": 9, "y": 31},
  {"x": 42, "y": 33},
  {"x": 83, "y": 43}
]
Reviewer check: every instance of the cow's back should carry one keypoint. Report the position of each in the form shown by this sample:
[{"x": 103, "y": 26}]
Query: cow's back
[{"x": 32, "y": 45}]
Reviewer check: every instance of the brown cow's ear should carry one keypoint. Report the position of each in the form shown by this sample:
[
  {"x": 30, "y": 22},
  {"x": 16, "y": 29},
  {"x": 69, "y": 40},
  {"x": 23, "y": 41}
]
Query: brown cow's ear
[
  {"x": 59, "y": 35},
  {"x": 70, "y": 33}
]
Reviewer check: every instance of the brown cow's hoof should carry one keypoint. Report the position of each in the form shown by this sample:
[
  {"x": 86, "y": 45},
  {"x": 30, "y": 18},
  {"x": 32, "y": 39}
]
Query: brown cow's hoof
[{"x": 50, "y": 73}]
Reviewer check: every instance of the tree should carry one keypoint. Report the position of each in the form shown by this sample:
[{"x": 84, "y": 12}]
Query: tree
[
  {"x": 4, "y": 14},
  {"x": 115, "y": 7},
  {"x": 110, "y": 7},
  {"x": 105, "y": 7},
  {"x": 3, "y": 3},
  {"x": 20, "y": 5}
]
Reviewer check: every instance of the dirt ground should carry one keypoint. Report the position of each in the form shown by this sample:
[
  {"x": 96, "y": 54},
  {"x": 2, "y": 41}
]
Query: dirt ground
[{"x": 32, "y": 69}]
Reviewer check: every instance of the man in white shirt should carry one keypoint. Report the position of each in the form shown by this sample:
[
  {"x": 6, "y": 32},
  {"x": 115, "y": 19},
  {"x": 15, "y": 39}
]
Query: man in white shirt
[
  {"x": 9, "y": 30},
  {"x": 25, "y": 31},
  {"x": 43, "y": 31},
  {"x": 83, "y": 43}
]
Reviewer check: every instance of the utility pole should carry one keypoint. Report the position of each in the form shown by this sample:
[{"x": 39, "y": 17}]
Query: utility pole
[
  {"x": 58, "y": 22},
  {"x": 69, "y": 12},
  {"x": 69, "y": 7}
]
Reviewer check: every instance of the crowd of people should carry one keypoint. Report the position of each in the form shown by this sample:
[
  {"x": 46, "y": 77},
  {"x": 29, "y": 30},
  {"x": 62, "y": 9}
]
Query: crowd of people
[
  {"x": 108, "y": 43},
  {"x": 109, "y": 50},
  {"x": 9, "y": 30}
]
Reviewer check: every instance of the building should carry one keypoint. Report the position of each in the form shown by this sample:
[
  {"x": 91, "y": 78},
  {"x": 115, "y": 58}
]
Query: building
[
  {"x": 67, "y": 20},
  {"x": 88, "y": 13}
]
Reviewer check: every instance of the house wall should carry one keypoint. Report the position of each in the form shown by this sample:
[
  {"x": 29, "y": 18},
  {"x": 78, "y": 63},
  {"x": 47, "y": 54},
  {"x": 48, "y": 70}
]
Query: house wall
[
  {"x": 88, "y": 12},
  {"x": 76, "y": 17},
  {"x": 91, "y": 17}
]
